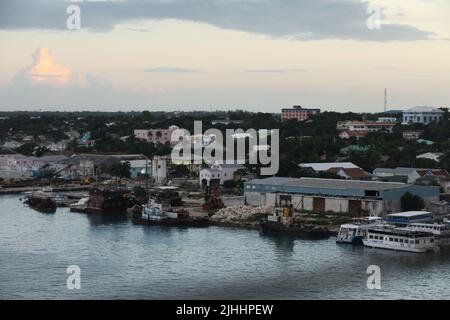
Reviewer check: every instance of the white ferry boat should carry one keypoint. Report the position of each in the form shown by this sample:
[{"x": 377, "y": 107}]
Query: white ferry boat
[
  {"x": 401, "y": 239},
  {"x": 355, "y": 232},
  {"x": 440, "y": 231}
]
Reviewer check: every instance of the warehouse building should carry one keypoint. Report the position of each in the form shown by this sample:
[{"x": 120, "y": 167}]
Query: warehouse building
[{"x": 334, "y": 195}]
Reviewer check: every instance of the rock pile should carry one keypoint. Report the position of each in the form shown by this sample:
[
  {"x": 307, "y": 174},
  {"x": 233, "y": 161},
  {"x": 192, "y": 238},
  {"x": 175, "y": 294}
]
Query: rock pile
[{"x": 241, "y": 213}]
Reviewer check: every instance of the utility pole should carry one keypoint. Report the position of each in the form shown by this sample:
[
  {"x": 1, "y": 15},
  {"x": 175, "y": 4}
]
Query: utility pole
[
  {"x": 146, "y": 179},
  {"x": 385, "y": 100}
]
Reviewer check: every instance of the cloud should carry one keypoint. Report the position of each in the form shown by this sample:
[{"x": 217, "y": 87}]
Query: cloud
[
  {"x": 45, "y": 69},
  {"x": 170, "y": 70},
  {"x": 294, "y": 19},
  {"x": 45, "y": 84},
  {"x": 277, "y": 70}
]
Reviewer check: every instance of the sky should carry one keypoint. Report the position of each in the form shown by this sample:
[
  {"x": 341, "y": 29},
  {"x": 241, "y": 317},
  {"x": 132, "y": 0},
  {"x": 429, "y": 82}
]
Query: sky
[{"x": 257, "y": 55}]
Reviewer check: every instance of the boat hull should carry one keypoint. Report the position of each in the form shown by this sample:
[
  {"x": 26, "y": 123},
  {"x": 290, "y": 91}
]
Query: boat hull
[
  {"x": 395, "y": 248},
  {"x": 44, "y": 205},
  {"x": 356, "y": 240},
  {"x": 296, "y": 231}
]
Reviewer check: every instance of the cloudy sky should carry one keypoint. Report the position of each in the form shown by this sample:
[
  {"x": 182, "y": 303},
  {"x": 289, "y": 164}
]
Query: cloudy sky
[{"x": 259, "y": 55}]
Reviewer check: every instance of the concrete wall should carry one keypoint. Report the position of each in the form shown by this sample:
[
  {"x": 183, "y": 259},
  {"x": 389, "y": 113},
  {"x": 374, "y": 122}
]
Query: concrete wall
[{"x": 305, "y": 202}]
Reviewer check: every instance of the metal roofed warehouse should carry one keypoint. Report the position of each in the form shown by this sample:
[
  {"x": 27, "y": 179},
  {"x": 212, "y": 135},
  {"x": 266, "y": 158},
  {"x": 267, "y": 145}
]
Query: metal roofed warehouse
[{"x": 334, "y": 195}]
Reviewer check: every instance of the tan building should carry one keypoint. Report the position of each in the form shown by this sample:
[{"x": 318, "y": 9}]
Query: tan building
[{"x": 156, "y": 136}]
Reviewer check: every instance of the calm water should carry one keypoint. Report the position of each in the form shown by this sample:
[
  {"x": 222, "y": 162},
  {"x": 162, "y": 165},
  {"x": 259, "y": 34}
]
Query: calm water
[{"x": 122, "y": 260}]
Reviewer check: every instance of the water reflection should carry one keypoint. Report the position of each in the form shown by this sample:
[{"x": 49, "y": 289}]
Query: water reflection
[
  {"x": 105, "y": 219},
  {"x": 283, "y": 244}
]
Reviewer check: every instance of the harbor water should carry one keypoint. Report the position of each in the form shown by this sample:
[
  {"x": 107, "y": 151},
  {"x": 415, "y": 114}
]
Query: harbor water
[{"x": 120, "y": 260}]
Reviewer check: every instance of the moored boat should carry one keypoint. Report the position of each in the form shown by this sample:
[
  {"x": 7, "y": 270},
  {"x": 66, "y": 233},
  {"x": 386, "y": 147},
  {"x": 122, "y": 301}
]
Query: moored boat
[
  {"x": 107, "y": 201},
  {"x": 79, "y": 206},
  {"x": 283, "y": 222},
  {"x": 294, "y": 229},
  {"x": 440, "y": 231},
  {"x": 162, "y": 214},
  {"x": 41, "y": 203},
  {"x": 400, "y": 239},
  {"x": 354, "y": 232}
]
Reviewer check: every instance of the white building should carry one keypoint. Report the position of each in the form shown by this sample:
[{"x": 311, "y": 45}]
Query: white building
[
  {"x": 423, "y": 115},
  {"x": 365, "y": 126},
  {"x": 159, "y": 168},
  {"x": 220, "y": 172},
  {"x": 17, "y": 166},
  {"x": 387, "y": 119}
]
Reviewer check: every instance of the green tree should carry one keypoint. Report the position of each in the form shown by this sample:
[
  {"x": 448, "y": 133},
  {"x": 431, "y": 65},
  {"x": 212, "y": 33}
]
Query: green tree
[{"x": 410, "y": 202}]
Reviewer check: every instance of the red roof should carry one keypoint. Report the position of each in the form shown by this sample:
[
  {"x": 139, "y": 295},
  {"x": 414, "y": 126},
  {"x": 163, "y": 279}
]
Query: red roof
[
  {"x": 433, "y": 172},
  {"x": 351, "y": 172}
]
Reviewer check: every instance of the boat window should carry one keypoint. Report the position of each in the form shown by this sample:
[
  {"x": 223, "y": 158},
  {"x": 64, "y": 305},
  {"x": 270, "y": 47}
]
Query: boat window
[
  {"x": 401, "y": 240},
  {"x": 417, "y": 241},
  {"x": 391, "y": 239},
  {"x": 431, "y": 240},
  {"x": 370, "y": 237},
  {"x": 396, "y": 239}
]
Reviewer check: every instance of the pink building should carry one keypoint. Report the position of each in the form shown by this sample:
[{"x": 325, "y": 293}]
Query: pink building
[{"x": 298, "y": 113}]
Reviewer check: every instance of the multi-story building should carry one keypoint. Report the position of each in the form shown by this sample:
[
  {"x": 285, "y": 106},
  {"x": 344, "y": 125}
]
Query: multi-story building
[
  {"x": 411, "y": 135},
  {"x": 365, "y": 126},
  {"x": 387, "y": 119},
  {"x": 156, "y": 136},
  {"x": 423, "y": 115},
  {"x": 298, "y": 113}
]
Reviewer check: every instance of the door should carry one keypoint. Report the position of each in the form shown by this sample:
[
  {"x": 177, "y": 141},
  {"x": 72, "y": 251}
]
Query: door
[
  {"x": 354, "y": 207},
  {"x": 319, "y": 204}
]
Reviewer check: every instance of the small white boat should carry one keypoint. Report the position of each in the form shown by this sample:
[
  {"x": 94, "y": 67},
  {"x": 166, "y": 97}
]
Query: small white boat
[
  {"x": 79, "y": 206},
  {"x": 156, "y": 212},
  {"x": 355, "y": 232},
  {"x": 401, "y": 239}
]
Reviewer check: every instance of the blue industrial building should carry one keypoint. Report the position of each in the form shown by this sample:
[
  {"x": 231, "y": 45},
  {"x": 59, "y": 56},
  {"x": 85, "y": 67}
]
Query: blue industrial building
[{"x": 334, "y": 195}]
